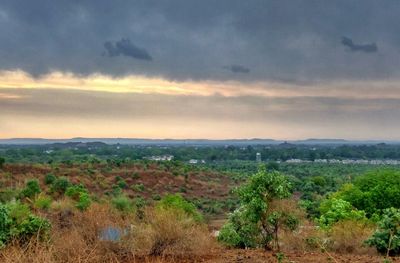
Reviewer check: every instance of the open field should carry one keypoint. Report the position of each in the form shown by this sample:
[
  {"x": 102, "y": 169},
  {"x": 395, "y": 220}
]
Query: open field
[{"x": 134, "y": 197}]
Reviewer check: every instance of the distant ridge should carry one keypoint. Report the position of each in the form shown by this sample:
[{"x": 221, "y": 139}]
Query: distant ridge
[{"x": 190, "y": 142}]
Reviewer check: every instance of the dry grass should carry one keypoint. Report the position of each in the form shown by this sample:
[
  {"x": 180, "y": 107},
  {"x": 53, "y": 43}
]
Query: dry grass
[
  {"x": 162, "y": 236},
  {"x": 307, "y": 238},
  {"x": 171, "y": 233},
  {"x": 349, "y": 236},
  {"x": 345, "y": 237}
]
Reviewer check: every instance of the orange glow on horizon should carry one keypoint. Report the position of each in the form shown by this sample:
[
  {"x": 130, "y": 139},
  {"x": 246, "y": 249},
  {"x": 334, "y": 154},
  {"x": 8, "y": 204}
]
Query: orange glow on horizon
[{"x": 156, "y": 85}]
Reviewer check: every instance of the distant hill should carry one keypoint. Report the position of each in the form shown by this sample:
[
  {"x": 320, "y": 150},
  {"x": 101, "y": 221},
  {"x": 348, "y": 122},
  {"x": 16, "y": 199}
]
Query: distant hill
[{"x": 189, "y": 142}]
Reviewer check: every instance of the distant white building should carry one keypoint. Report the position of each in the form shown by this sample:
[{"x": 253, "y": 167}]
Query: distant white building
[
  {"x": 294, "y": 161},
  {"x": 193, "y": 161},
  {"x": 166, "y": 157},
  {"x": 258, "y": 157}
]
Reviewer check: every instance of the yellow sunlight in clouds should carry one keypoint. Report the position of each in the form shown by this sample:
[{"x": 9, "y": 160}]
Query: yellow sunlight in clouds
[{"x": 157, "y": 85}]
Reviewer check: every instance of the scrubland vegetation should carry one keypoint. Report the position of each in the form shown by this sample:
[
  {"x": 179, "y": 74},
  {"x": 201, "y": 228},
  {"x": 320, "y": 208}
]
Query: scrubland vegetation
[{"x": 119, "y": 210}]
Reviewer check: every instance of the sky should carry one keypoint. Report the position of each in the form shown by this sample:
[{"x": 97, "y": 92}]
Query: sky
[{"x": 200, "y": 69}]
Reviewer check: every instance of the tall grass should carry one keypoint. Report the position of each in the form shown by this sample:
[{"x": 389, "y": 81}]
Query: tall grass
[{"x": 163, "y": 235}]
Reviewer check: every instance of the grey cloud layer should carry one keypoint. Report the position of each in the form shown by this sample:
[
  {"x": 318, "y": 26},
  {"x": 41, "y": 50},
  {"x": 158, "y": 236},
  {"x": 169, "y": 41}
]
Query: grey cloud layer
[
  {"x": 237, "y": 69},
  {"x": 134, "y": 106},
  {"x": 125, "y": 47},
  {"x": 368, "y": 48},
  {"x": 188, "y": 39}
]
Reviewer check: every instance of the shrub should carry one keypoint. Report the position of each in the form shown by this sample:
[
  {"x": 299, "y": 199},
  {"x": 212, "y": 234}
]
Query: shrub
[
  {"x": 5, "y": 222},
  {"x": 238, "y": 232},
  {"x": 7, "y": 195},
  {"x": 31, "y": 226},
  {"x": 17, "y": 222},
  {"x": 122, "y": 184},
  {"x": 43, "y": 202},
  {"x": 177, "y": 202},
  {"x": 31, "y": 189},
  {"x": 334, "y": 210},
  {"x": 137, "y": 187},
  {"x": 74, "y": 191},
  {"x": 49, "y": 178},
  {"x": 60, "y": 185},
  {"x": 116, "y": 190},
  {"x": 139, "y": 202},
  {"x": 156, "y": 197},
  {"x": 135, "y": 175},
  {"x": 386, "y": 239},
  {"x": 122, "y": 203},
  {"x": 84, "y": 201},
  {"x": 80, "y": 194},
  {"x": 2, "y": 161}
]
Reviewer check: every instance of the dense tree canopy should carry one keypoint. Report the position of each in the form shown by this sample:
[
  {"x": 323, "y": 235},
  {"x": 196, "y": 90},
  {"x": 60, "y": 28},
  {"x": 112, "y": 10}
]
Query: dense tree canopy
[{"x": 374, "y": 191}]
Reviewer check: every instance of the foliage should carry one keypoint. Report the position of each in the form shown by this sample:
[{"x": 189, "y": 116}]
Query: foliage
[
  {"x": 60, "y": 185},
  {"x": 137, "y": 187},
  {"x": 156, "y": 197},
  {"x": 42, "y": 202},
  {"x": 122, "y": 203},
  {"x": 258, "y": 220},
  {"x": 49, "y": 178},
  {"x": 239, "y": 232},
  {"x": 116, "y": 190},
  {"x": 386, "y": 239},
  {"x": 2, "y": 161},
  {"x": 122, "y": 184},
  {"x": 17, "y": 222},
  {"x": 333, "y": 210},
  {"x": 177, "y": 202},
  {"x": 84, "y": 201},
  {"x": 80, "y": 194},
  {"x": 374, "y": 191},
  {"x": 5, "y": 222},
  {"x": 74, "y": 191},
  {"x": 31, "y": 189},
  {"x": 8, "y": 194}
]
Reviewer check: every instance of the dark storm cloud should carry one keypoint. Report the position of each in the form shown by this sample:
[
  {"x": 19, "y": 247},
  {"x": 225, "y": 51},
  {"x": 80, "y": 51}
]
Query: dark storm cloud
[
  {"x": 125, "y": 47},
  {"x": 277, "y": 40},
  {"x": 237, "y": 69},
  {"x": 367, "y": 48}
]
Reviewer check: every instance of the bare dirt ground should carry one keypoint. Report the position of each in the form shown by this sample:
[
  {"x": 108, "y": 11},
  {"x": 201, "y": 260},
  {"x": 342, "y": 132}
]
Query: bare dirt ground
[{"x": 259, "y": 256}]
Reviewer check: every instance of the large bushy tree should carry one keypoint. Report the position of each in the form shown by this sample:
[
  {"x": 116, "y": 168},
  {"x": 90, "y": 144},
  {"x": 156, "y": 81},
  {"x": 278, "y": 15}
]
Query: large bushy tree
[
  {"x": 374, "y": 191},
  {"x": 257, "y": 221}
]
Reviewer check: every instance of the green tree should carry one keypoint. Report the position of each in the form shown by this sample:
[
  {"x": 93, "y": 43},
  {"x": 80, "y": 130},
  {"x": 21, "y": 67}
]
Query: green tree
[
  {"x": 386, "y": 239},
  {"x": 334, "y": 210},
  {"x": 374, "y": 191},
  {"x": 257, "y": 221}
]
